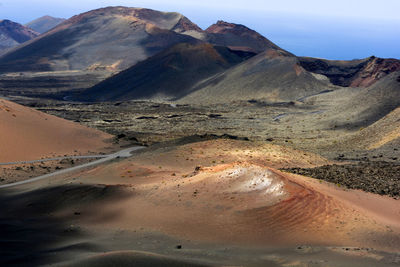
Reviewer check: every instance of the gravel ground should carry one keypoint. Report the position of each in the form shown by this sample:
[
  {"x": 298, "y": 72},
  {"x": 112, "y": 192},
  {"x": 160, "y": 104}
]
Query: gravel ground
[{"x": 376, "y": 177}]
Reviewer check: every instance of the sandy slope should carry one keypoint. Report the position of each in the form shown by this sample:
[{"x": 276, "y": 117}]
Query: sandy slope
[
  {"x": 219, "y": 193},
  {"x": 235, "y": 196},
  {"x": 26, "y": 134}
]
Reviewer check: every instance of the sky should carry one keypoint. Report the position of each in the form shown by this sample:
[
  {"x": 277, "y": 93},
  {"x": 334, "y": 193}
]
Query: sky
[{"x": 339, "y": 29}]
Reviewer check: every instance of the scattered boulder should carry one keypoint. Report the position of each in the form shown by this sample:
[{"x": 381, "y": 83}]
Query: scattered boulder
[{"x": 214, "y": 116}]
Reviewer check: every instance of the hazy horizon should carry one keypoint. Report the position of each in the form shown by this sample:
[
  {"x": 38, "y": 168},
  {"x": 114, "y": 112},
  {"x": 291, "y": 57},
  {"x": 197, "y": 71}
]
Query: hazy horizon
[{"x": 340, "y": 30}]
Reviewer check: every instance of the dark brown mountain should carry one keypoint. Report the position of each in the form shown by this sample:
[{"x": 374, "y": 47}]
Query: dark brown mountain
[
  {"x": 354, "y": 73},
  {"x": 12, "y": 34},
  {"x": 109, "y": 38},
  {"x": 44, "y": 24},
  {"x": 272, "y": 76},
  {"x": 168, "y": 75}
]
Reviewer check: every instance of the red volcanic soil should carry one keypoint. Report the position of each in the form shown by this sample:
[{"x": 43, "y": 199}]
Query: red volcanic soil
[
  {"x": 26, "y": 134},
  {"x": 214, "y": 195},
  {"x": 375, "y": 70},
  {"x": 230, "y": 192}
]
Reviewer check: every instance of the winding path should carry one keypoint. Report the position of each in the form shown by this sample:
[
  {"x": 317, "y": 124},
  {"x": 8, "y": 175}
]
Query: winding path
[
  {"x": 126, "y": 153},
  {"x": 53, "y": 159}
]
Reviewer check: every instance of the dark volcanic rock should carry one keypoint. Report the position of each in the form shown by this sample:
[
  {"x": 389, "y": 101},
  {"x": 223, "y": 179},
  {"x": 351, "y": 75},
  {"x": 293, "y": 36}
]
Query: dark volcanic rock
[
  {"x": 376, "y": 177},
  {"x": 354, "y": 73}
]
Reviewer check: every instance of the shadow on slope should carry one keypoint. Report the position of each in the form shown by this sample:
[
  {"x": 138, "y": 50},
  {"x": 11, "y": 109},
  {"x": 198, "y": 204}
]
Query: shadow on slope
[
  {"x": 273, "y": 75},
  {"x": 37, "y": 226},
  {"x": 167, "y": 75}
]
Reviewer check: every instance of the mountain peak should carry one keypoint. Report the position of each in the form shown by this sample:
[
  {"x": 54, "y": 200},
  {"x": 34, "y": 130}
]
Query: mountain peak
[
  {"x": 16, "y": 31},
  {"x": 44, "y": 24},
  {"x": 239, "y": 37},
  {"x": 185, "y": 25},
  {"x": 7, "y": 22},
  {"x": 223, "y": 27},
  {"x": 162, "y": 20},
  {"x": 106, "y": 37}
]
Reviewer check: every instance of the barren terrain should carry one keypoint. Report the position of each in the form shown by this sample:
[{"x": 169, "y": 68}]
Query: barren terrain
[
  {"x": 216, "y": 202},
  {"x": 26, "y": 134},
  {"x": 206, "y": 147}
]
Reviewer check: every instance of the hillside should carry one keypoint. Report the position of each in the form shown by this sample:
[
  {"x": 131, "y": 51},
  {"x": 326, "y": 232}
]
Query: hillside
[
  {"x": 13, "y": 34},
  {"x": 27, "y": 134},
  {"x": 167, "y": 75},
  {"x": 45, "y": 23},
  {"x": 382, "y": 132},
  {"x": 274, "y": 76},
  {"x": 365, "y": 106}
]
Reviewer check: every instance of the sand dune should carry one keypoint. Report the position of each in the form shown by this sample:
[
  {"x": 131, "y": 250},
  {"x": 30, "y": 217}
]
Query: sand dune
[
  {"x": 219, "y": 193},
  {"x": 235, "y": 196},
  {"x": 26, "y": 134}
]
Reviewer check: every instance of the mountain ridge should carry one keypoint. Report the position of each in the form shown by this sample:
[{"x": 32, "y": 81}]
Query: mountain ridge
[{"x": 105, "y": 36}]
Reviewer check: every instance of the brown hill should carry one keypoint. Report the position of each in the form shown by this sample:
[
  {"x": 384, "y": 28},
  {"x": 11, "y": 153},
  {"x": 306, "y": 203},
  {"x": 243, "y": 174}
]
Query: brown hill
[
  {"x": 369, "y": 105},
  {"x": 167, "y": 75},
  {"x": 113, "y": 36},
  {"x": 27, "y": 134},
  {"x": 359, "y": 118},
  {"x": 238, "y": 36},
  {"x": 45, "y": 23},
  {"x": 12, "y": 34},
  {"x": 355, "y": 108},
  {"x": 272, "y": 75}
]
